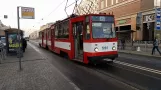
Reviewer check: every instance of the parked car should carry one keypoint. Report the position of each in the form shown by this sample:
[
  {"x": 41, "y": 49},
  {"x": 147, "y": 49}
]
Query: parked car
[{"x": 27, "y": 38}]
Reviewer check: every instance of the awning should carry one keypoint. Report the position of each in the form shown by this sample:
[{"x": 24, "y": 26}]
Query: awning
[
  {"x": 3, "y": 27},
  {"x": 125, "y": 31},
  {"x": 13, "y": 30}
]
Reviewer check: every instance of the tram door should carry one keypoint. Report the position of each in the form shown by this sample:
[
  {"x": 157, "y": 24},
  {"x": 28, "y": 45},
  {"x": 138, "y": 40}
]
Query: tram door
[{"x": 78, "y": 40}]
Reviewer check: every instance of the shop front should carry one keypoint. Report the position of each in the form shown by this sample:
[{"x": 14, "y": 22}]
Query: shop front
[
  {"x": 124, "y": 28},
  {"x": 148, "y": 26}
]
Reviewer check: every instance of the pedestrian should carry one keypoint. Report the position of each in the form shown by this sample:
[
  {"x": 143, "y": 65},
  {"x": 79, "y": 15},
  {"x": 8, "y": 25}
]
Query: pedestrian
[
  {"x": 24, "y": 44},
  {"x": 123, "y": 43},
  {"x": 156, "y": 46}
]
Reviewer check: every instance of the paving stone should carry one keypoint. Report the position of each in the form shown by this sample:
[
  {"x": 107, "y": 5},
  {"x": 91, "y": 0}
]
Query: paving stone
[{"x": 37, "y": 74}]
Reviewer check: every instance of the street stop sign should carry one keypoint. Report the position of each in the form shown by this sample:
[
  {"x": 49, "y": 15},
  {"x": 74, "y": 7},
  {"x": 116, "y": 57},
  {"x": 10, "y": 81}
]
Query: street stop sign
[{"x": 27, "y": 13}]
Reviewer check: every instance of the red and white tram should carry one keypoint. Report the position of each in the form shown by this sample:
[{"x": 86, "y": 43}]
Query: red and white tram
[{"x": 86, "y": 38}]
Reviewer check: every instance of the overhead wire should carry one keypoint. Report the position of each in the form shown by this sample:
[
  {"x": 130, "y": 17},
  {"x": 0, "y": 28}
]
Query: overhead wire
[
  {"x": 58, "y": 7},
  {"x": 66, "y": 8},
  {"x": 50, "y": 12},
  {"x": 75, "y": 5},
  {"x": 90, "y": 7},
  {"x": 81, "y": 8}
]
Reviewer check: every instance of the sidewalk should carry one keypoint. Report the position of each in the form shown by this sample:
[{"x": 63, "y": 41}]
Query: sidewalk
[
  {"x": 37, "y": 74},
  {"x": 142, "y": 53}
]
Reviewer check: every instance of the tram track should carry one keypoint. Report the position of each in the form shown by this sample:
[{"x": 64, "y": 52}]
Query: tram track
[
  {"x": 128, "y": 76},
  {"x": 109, "y": 69},
  {"x": 102, "y": 70}
]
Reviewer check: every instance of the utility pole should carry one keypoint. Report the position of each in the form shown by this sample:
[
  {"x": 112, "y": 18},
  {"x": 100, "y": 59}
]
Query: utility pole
[{"x": 19, "y": 39}]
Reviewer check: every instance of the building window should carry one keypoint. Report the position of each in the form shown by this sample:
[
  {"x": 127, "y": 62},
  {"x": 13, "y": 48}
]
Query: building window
[
  {"x": 112, "y": 2},
  {"x": 102, "y": 4},
  {"x": 116, "y": 1},
  {"x": 106, "y": 3},
  {"x": 157, "y": 3}
]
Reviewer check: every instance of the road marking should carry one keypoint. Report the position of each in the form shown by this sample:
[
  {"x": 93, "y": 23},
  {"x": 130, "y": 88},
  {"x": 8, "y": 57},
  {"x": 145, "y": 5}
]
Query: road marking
[
  {"x": 138, "y": 67},
  {"x": 68, "y": 80}
]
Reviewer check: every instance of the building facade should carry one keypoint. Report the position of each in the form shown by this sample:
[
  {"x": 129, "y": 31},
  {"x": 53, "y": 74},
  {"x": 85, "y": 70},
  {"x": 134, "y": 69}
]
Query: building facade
[
  {"x": 34, "y": 35},
  {"x": 125, "y": 12},
  {"x": 132, "y": 15},
  {"x": 48, "y": 25},
  {"x": 148, "y": 25},
  {"x": 87, "y": 7},
  {"x": 2, "y": 28}
]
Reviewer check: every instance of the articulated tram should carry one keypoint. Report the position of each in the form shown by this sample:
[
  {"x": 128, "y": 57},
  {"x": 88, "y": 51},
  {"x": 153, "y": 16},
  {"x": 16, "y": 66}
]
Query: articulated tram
[{"x": 86, "y": 38}]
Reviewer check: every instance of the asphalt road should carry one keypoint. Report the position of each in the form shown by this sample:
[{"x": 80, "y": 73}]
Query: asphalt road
[
  {"x": 105, "y": 77},
  {"x": 145, "y": 61}
]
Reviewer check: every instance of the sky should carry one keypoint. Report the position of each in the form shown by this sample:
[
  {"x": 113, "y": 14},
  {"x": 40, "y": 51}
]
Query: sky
[{"x": 44, "y": 9}]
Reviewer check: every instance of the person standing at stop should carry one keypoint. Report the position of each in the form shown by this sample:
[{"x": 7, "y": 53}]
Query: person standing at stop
[
  {"x": 156, "y": 46},
  {"x": 24, "y": 44}
]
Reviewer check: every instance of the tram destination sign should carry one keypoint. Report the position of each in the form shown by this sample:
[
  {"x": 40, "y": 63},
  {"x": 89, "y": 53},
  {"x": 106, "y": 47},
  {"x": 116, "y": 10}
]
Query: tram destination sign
[{"x": 103, "y": 18}]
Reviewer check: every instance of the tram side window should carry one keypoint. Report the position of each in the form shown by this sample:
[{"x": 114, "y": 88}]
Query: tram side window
[
  {"x": 40, "y": 35},
  {"x": 44, "y": 34},
  {"x": 87, "y": 31},
  {"x": 56, "y": 32},
  {"x": 50, "y": 34},
  {"x": 63, "y": 30},
  {"x": 66, "y": 33}
]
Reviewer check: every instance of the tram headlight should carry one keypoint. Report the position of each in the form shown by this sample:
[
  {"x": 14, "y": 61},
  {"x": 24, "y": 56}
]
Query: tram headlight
[
  {"x": 96, "y": 49},
  {"x": 113, "y": 48}
]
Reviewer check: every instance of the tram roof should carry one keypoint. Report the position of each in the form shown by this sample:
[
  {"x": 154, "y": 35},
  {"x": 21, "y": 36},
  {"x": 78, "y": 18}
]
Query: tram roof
[{"x": 75, "y": 16}]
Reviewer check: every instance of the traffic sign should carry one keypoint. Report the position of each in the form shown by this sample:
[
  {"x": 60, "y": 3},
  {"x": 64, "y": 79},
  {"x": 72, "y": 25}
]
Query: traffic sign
[
  {"x": 27, "y": 13},
  {"x": 158, "y": 18}
]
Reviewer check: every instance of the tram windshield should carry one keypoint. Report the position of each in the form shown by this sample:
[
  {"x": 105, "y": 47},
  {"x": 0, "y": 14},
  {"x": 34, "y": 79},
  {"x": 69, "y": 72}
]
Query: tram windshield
[{"x": 103, "y": 27}]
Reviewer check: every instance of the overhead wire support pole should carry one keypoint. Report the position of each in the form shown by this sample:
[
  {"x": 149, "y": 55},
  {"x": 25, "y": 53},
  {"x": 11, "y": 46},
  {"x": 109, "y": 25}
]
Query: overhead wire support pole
[
  {"x": 90, "y": 6},
  {"x": 66, "y": 8},
  {"x": 19, "y": 49},
  {"x": 70, "y": 5},
  {"x": 84, "y": 10},
  {"x": 78, "y": 11},
  {"x": 75, "y": 5}
]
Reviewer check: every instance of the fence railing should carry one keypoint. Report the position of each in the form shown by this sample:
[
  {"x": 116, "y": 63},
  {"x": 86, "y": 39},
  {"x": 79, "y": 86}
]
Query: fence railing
[{"x": 143, "y": 45}]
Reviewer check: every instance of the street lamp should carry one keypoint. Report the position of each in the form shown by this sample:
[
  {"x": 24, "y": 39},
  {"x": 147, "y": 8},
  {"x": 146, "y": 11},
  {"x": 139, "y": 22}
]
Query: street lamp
[{"x": 5, "y": 16}]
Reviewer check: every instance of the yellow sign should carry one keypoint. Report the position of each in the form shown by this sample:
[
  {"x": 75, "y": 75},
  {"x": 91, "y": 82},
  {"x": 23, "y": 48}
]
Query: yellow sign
[
  {"x": 16, "y": 45},
  {"x": 27, "y": 13}
]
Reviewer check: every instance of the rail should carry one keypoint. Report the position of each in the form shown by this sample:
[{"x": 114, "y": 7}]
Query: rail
[{"x": 144, "y": 45}]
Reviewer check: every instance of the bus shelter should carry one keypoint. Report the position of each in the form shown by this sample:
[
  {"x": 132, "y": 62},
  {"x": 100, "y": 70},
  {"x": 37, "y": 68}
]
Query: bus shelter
[{"x": 12, "y": 40}]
